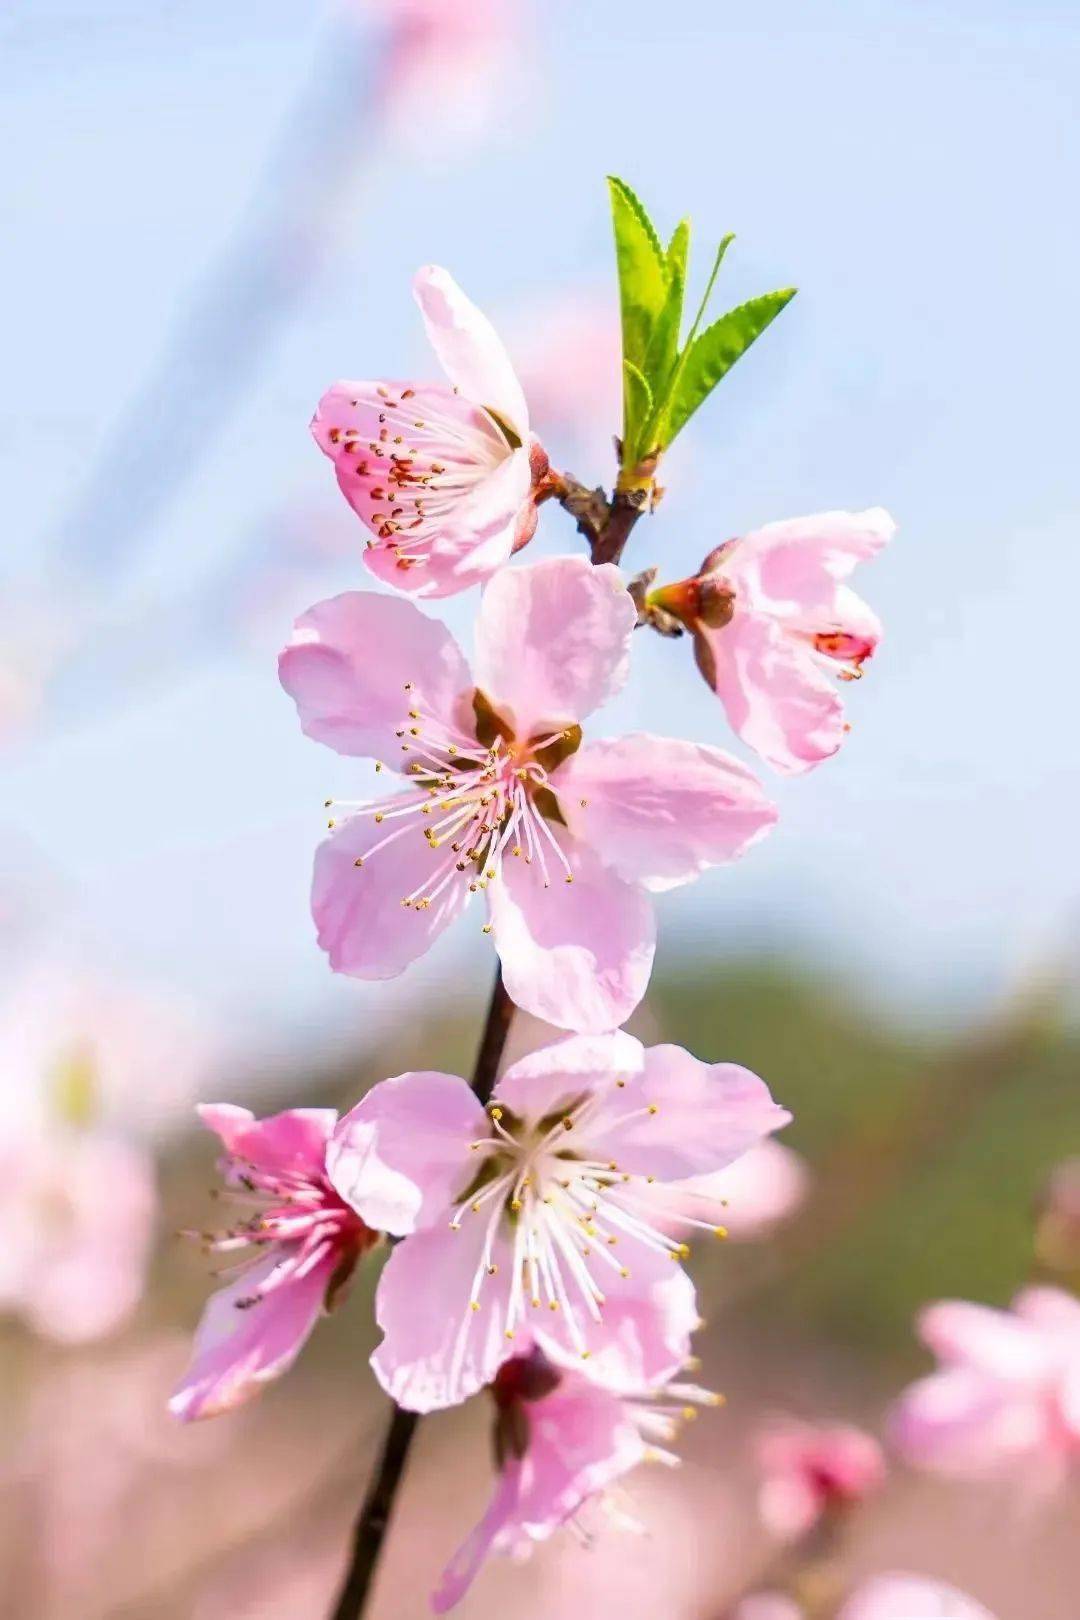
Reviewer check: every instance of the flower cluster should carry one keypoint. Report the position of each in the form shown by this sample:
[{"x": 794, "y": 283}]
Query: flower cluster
[{"x": 539, "y": 1225}]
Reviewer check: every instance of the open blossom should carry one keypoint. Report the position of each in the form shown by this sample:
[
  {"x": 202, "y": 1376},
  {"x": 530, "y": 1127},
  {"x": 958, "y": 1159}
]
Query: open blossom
[
  {"x": 1007, "y": 1393},
  {"x": 298, "y": 1243},
  {"x": 564, "y": 837},
  {"x": 910, "y": 1597},
  {"x": 529, "y": 1217},
  {"x": 560, "y": 1440},
  {"x": 773, "y": 619},
  {"x": 748, "y": 1198},
  {"x": 444, "y": 477},
  {"x": 809, "y": 1470},
  {"x": 78, "y": 1209}
]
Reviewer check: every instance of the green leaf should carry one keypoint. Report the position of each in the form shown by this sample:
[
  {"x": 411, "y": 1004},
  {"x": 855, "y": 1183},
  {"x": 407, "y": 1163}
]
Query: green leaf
[
  {"x": 643, "y": 277},
  {"x": 711, "y": 356},
  {"x": 637, "y": 409},
  {"x": 663, "y": 347}
]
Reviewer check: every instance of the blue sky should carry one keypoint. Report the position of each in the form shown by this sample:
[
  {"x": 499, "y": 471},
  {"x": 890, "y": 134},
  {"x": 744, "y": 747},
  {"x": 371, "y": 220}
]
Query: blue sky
[{"x": 913, "y": 168}]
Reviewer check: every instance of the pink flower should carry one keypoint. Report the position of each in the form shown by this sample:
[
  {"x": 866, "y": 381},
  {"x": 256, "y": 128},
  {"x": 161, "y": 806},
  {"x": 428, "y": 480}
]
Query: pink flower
[
  {"x": 910, "y": 1597},
  {"x": 449, "y": 67},
  {"x": 749, "y": 1197},
  {"x": 565, "y": 839},
  {"x": 445, "y": 478},
  {"x": 560, "y": 1439},
  {"x": 1007, "y": 1392},
  {"x": 529, "y": 1217},
  {"x": 772, "y": 618},
  {"x": 302, "y": 1241},
  {"x": 569, "y": 357},
  {"x": 809, "y": 1470},
  {"x": 77, "y": 1210}
]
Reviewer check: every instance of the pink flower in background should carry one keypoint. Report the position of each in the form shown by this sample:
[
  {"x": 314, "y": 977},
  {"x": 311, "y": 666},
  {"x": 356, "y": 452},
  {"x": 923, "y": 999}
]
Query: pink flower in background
[
  {"x": 1007, "y": 1392},
  {"x": 560, "y": 1440},
  {"x": 444, "y": 477},
  {"x": 530, "y": 1217},
  {"x": 449, "y": 68},
  {"x": 566, "y": 839},
  {"x": 768, "y": 1606},
  {"x": 809, "y": 1470},
  {"x": 772, "y": 618},
  {"x": 748, "y": 1198},
  {"x": 299, "y": 1243},
  {"x": 77, "y": 1211},
  {"x": 568, "y": 350},
  {"x": 910, "y": 1597}
]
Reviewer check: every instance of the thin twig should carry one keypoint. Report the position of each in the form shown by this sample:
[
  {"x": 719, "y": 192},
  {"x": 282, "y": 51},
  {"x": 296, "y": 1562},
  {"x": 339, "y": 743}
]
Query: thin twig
[{"x": 378, "y": 1504}]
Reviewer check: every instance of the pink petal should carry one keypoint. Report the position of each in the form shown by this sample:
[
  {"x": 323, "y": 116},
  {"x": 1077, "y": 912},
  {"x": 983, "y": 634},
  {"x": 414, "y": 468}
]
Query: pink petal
[
  {"x": 237, "y": 1350},
  {"x": 643, "y": 1337},
  {"x": 469, "y": 349},
  {"x": 705, "y": 1116},
  {"x": 576, "y": 954},
  {"x": 473, "y": 542},
  {"x": 553, "y": 640},
  {"x": 768, "y": 1606},
  {"x": 293, "y": 1140},
  {"x": 348, "y": 665},
  {"x": 775, "y": 696},
  {"x": 661, "y": 810},
  {"x": 1053, "y": 1312},
  {"x": 967, "y": 1425},
  {"x": 748, "y": 1197},
  {"x": 436, "y": 1350},
  {"x": 993, "y": 1342},
  {"x": 580, "y": 1441},
  {"x": 362, "y": 924},
  {"x": 557, "y": 1073},
  {"x": 910, "y": 1597},
  {"x": 499, "y": 1519},
  {"x": 402, "y": 1156},
  {"x": 794, "y": 566}
]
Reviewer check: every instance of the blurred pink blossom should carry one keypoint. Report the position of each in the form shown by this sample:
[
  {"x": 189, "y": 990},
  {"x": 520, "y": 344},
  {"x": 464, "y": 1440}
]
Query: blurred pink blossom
[
  {"x": 809, "y": 1470},
  {"x": 448, "y": 507},
  {"x": 568, "y": 839},
  {"x": 77, "y": 1211},
  {"x": 298, "y": 1245},
  {"x": 560, "y": 1440},
  {"x": 1006, "y": 1396},
  {"x": 568, "y": 352},
  {"x": 910, "y": 1597},
  {"x": 767, "y": 1606},
  {"x": 747, "y": 1198}
]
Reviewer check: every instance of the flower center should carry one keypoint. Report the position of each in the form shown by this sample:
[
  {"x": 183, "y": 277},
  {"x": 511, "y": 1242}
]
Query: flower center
[{"x": 479, "y": 794}]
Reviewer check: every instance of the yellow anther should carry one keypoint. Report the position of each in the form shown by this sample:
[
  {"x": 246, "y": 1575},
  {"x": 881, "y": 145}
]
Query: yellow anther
[
  {"x": 330, "y": 825},
  {"x": 495, "y": 1111},
  {"x": 515, "y": 1203},
  {"x": 359, "y": 861},
  {"x": 689, "y": 1413},
  {"x": 713, "y": 1398},
  {"x": 327, "y": 803},
  {"x": 553, "y": 1305},
  {"x": 475, "y": 1208},
  {"x": 378, "y": 764},
  {"x": 567, "y": 1123},
  {"x": 486, "y": 928},
  {"x": 624, "y": 1271},
  {"x": 509, "y": 1334},
  {"x": 474, "y": 1304},
  {"x": 534, "y": 1302},
  {"x": 654, "y": 1108},
  {"x": 379, "y": 816},
  {"x": 720, "y": 1231},
  {"x": 491, "y": 1270},
  {"x": 583, "y": 803}
]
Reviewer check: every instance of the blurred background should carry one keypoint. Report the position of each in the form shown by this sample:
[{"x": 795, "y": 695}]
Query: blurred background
[{"x": 213, "y": 212}]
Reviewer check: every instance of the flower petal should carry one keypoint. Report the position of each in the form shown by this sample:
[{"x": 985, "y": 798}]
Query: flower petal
[
  {"x": 794, "y": 567},
  {"x": 660, "y": 810},
  {"x": 537, "y": 1084},
  {"x": 775, "y": 696},
  {"x": 293, "y": 1140},
  {"x": 993, "y": 1342},
  {"x": 681, "y": 1117},
  {"x": 238, "y": 1347},
  {"x": 643, "y": 1337},
  {"x": 350, "y": 663},
  {"x": 362, "y": 924},
  {"x": 500, "y": 1518},
  {"x": 401, "y": 1157},
  {"x": 469, "y": 349},
  {"x": 910, "y": 1597},
  {"x": 576, "y": 954},
  {"x": 967, "y": 1425},
  {"x": 553, "y": 640},
  {"x": 436, "y": 1351}
]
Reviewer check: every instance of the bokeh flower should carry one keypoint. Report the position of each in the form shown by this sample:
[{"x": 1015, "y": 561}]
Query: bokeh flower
[
  {"x": 811, "y": 1470},
  {"x": 566, "y": 838},
  {"x": 910, "y": 1597},
  {"x": 444, "y": 476}
]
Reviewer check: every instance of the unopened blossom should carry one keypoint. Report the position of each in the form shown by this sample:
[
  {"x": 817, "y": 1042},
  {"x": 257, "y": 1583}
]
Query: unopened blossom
[
  {"x": 536, "y": 1215},
  {"x": 774, "y": 619},
  {"x": 560, "y": 1440},
  {"x": 444, "y": 475},
  {"x": 810, "y": 1470},
  {"x": 78, "y": 1208},
  {"x": 910, "y": 1597},
  {"x": 292, "y": 1252},
  {"x": 1006, "y": 1396},
  {"x": 564, "y": 838}
]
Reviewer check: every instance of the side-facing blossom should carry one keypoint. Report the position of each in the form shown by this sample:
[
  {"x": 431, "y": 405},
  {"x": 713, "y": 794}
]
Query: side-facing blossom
[
  {"x": 77, "y": 1211},
  {"x": 773, "y": 618},
  {"x": 298, "y": 1243},
  {"x": 910, "y": 1597},
  {"x": 809, "y": 1470},
  {"x": 1007, "y": 1392},
  {"x": 444, "y": 476},
  {"x": 560, "y": 1440},
  {"x": 528, "y": 1217},
  {"x": 748, "y": 1198},
  {"x": 565, "y": 837}
]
